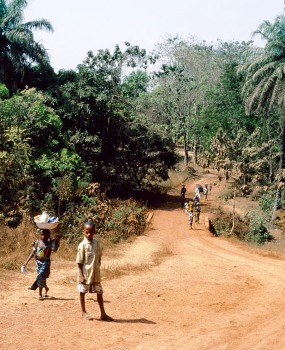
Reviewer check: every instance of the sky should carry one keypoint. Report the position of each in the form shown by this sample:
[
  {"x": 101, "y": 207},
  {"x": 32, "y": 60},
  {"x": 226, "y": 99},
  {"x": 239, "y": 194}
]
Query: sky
[{"x": 91, "y": 25}]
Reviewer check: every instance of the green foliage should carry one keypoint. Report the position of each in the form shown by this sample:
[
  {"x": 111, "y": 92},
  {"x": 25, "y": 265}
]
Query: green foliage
[
  {"x": 53, "y": 164},
  {"x": 32, "y": 160},
  {"x": 257, "y": 232},
  {"x": 134, "y": 84},
  {"x": 222, "y": 224},
  {"x": 115, "y": 220},
  {"x": 123, "y": 153},
  {"x": 263, "y": 87},
  {"x": 267, "y": 199},
  {"x": 20, "y": 53},
  {"x": 251, "y": 229},
  {"x": 266, "y": 202},
  {"x": 4, "y": 91},
  {"x": 224, "y": 108},
  {"x": 15, "y": 175},
  {"x": 28, "y": 111}
]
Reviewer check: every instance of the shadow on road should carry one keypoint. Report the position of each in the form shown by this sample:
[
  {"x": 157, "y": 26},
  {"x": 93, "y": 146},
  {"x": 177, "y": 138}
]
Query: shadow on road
[{"x": 136, "y": 320}]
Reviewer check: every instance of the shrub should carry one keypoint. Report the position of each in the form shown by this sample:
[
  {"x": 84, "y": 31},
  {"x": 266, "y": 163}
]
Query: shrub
[
  {"x": 257, "y": 232},
  {"x": 115, "y": 220},
  {"x": 266, "y": 202}
]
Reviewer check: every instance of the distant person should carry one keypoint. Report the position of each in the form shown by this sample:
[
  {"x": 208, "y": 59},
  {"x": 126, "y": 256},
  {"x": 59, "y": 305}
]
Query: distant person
[
  {"x": 206, "y": 192},
  {"x": 186, "y": 207},
  {"x": 197, "y": 212},
  {"x": 42, "y": 249},
  {"x": 189, "y": 211},
  {"x": 88, "y": 260},
  {"x": 227, "y": 176},
  {"x": 196, "y": 201},
  {"x": 190, "y": 219},
  {"x": 182, "y": 195},
  {"x": 197, "y": 192}
]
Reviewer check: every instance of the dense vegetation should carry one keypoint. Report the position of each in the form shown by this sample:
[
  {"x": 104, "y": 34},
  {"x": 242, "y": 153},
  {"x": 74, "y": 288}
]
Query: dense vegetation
[{"x": 73, "y": 140}]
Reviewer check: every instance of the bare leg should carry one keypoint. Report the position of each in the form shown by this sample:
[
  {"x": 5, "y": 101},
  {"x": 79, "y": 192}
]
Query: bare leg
[
  {"x": 83, "y": 309},
  {"x": 46, "y": 291},
  {"x": 104, "y": 316},
  {"x": 40, "y": 293}
]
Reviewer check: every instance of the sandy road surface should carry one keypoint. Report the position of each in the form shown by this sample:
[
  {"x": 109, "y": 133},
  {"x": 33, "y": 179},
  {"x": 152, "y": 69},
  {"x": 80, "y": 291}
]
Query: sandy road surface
[{"x": 208, "y": 294}]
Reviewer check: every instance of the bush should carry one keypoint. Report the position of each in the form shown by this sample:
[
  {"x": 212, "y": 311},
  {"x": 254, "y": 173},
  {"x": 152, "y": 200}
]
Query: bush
[
  {"x": 266, "y": 202},
  {"x": 257, "y": 232},
  {"x": 223, "y": 224},
  {"x": 252, "y": 229},
  {"x": 115, "y": 220}
]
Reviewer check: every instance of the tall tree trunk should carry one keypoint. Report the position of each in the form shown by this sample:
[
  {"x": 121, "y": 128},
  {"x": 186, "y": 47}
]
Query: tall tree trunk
[
  {"x": 195, "y": 148},
  {"x": 186, "y": 155},
  {"x": 234, "y": 214},
  {"x": 281, "y": 176}
]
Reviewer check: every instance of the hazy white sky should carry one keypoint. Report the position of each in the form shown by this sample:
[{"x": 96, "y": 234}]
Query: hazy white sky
[{"x": 81, "y": 26}]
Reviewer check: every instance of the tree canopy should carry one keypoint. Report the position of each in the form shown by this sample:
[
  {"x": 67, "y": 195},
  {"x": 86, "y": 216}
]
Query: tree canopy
[
  {"x": 22, "y": 59},
  {"x": 116, "y": 119}
]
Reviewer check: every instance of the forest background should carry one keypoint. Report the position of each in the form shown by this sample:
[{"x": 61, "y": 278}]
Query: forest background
[{"x": 98, "y": 141}]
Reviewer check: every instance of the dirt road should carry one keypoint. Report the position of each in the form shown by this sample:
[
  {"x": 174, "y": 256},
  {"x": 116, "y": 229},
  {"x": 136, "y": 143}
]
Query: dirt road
[{"x": 208, "y": 293}]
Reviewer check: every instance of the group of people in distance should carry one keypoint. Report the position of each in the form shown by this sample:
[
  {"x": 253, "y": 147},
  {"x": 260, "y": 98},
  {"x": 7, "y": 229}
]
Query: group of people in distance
[{"x": 192, "y": 206}]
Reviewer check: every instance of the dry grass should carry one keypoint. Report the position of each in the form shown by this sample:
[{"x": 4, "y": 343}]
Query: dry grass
[
  {"x": 118, "y": 270},
  {"x": 16, "y": 245}
]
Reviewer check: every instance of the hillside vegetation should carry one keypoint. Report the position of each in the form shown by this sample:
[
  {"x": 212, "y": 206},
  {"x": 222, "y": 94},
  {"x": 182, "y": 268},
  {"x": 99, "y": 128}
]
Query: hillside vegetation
[{"x": 99, "y": 141}]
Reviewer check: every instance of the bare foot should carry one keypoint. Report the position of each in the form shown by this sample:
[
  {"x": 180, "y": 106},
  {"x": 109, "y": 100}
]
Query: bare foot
[
  {"x": 46, "y": 292},
  {"x": 86, "y": 316},
  {"x": 106, "y": 318}
]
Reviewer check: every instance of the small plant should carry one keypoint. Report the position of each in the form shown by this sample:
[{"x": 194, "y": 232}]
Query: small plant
[
  {"x": 266, "y": 202},
  {"x": 257, "y": 232},
  {"x": 222, "y": 225},
  {"x": 227, "y": 195}
]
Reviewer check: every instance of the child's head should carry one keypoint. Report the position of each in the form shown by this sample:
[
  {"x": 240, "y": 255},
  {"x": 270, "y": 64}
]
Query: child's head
[
  {"x": 44, "y": 233},
  {"x": 89, "y": 230}
]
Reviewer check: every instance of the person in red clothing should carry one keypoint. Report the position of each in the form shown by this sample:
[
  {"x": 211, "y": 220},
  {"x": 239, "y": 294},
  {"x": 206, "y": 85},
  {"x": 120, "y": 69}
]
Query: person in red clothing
[{"x": 41, "y": 250}]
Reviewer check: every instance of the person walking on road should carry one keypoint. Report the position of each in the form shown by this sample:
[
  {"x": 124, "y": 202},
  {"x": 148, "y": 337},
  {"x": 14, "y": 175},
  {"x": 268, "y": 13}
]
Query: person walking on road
[
  {"x": 88, "y": 260},
  {"x": 41, "y": 250}
]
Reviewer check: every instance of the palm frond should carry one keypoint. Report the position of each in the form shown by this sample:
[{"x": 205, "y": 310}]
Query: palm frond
[{"x": 40, "y": 24}]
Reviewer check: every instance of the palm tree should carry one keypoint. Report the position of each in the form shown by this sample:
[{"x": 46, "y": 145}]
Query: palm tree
[
  {"x": 264, "y": 85},
  {"x": 19, "y": 52}
]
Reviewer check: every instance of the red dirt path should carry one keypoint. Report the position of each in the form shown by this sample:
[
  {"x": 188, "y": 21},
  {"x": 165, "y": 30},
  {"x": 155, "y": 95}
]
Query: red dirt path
[{"x": 208, "y": 294}]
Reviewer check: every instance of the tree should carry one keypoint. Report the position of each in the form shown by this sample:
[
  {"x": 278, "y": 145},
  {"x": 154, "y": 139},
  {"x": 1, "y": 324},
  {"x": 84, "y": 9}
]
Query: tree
[
  {"x": 19, "y": 52},
  {"x": 188, "y": 69},
  {"x": 134, "y": 84},
  {"x": 33, "y": 155},
  {"x": 101, "y": 125},
  {"x": 15, "y": 174},
  {"x": 264, "y": 85}
]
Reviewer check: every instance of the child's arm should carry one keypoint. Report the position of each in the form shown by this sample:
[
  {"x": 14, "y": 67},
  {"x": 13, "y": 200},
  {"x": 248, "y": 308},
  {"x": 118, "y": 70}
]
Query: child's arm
[
  {"x": 56, "y": 241},
  {"x": 29, "y": 257},
  {"x": 81, "y": 275}
]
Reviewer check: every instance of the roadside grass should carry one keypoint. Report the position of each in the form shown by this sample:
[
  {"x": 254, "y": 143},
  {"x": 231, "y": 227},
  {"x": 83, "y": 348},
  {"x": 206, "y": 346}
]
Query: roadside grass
[
  {"x": 117, "y": 270},
  {"x": 16, "y": 246}
]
